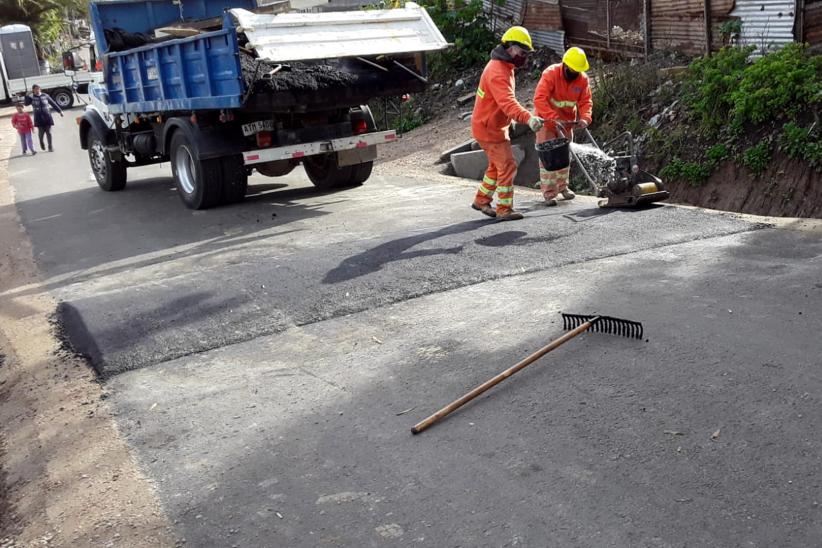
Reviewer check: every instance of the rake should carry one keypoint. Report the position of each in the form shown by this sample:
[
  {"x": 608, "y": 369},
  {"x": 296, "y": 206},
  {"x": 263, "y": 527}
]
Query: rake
[{"x": 577, "y": 323}]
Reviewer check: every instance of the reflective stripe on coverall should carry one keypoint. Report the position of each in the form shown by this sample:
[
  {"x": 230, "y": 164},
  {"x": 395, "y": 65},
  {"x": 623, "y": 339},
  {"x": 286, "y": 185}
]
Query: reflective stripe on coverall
[
  {"x": 494, "y": 108},
  {"x": 558, "y": 99}
]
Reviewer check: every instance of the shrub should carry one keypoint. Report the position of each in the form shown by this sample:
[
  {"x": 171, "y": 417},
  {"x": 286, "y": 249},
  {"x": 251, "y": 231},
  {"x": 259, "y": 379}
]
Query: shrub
[
  {"x": 464, "y": 24},
  {"x": 710, "y": 81},
  {"x": 757, "y": 157},
  {"x": 717, "y": 153},
  {"x": 694, "y": 173},
  {"x": 800, "y": 143},
  {"x": 785, "y": 82}
]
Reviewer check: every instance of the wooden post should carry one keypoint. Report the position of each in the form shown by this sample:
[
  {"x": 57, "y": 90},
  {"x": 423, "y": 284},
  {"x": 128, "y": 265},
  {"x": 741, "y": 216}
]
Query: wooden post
[
  {"x": 646, "y": 16},
  {"x": 799, "y": 21},
  {"x": 608, "y": 23},
  {"x": 707, "y": 27}
]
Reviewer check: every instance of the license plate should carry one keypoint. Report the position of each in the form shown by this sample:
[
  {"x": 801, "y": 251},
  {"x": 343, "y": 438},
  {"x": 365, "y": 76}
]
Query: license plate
[{"x": 258, "y": 126}]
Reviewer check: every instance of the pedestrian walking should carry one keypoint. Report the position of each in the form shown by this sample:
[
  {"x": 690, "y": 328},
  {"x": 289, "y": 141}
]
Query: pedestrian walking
[
  {"x": 495, "y": 107},
  {"x": 563, "y": 99},
  {"x": 40, "y": 103},
  {"x": 21, "y": 121}
]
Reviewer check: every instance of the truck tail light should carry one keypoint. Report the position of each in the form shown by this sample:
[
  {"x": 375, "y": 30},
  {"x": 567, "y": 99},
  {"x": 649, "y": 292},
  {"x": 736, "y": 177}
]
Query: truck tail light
[
  {"x": 360, "y": 127},
  {"x": 264, "y": 139}
]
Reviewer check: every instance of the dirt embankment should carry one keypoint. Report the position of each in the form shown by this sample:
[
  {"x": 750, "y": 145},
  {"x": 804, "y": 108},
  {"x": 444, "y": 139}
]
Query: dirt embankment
[{"x": 788, "y": 188}]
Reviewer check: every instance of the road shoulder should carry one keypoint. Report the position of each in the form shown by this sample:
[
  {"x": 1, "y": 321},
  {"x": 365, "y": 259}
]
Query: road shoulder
[{"x": 69, "y": 479}]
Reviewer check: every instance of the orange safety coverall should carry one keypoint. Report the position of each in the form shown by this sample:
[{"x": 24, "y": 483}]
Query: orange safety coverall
[
  {"x": 494, "y": 108},
  {"x": 558, "y": 99}
]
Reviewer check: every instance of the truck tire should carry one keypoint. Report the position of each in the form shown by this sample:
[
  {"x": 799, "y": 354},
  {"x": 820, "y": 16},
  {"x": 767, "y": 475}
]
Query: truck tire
[
  {"x": 199, "y": 182},
  {"x": 235, "y": 179},
  {"x": 360, "y": 173},
  {"x": 63, "y": 97},
  {"x": 110, "y": 175},
  {"x": 323, "y": 171}
]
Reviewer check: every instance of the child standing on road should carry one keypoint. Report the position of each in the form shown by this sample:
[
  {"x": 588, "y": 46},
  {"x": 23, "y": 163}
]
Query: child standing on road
[{"x": 25, "y": 127}]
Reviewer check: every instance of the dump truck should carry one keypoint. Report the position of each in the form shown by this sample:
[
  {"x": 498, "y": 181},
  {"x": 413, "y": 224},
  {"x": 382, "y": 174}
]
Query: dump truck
[{"x": 222, "y": 88}]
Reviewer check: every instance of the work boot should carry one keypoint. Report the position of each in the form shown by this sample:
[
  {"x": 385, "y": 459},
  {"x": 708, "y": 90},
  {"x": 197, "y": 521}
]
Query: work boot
[
  {"x": 568, "y": 194},
  {"x": 485, "y": 209},
  {"x": 551, "y": 202},
  {"x": 509, "y": 215}
]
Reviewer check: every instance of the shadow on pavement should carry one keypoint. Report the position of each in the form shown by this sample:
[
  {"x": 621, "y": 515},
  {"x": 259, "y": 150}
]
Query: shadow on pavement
[
  {"x": 374, "y": 259},
  {"x": 77, "y": 231},
  {"x": 606, "y": 441}
]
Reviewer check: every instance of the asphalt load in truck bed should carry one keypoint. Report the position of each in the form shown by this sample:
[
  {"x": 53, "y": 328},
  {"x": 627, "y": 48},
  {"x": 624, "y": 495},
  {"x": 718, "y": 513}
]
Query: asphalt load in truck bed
[{"x": 292, "y": 76}]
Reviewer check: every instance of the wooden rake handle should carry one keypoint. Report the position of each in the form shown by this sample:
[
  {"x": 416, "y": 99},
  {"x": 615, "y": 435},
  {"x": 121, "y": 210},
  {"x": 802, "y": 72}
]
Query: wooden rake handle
[{"x": 490, "y": 383}]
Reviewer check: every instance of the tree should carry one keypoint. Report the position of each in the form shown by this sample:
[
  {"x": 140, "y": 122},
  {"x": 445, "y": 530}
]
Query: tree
[{"x": 41, "y": 15}]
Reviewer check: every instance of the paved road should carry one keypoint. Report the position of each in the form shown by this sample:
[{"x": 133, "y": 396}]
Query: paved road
[{"x": 260, "y": 357}]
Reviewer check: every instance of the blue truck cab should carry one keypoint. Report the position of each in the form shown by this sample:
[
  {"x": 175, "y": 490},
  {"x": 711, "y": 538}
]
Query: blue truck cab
[{"x": 203, "y": 84}]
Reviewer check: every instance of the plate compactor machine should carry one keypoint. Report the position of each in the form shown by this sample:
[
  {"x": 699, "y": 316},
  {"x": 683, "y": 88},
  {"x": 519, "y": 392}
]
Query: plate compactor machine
[{"x": 627, "y": 186}]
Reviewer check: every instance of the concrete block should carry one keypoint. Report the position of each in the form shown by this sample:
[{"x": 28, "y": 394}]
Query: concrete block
[
  {"x": 472, "y": 165},
  {"x": 465, "y": 99},
  {"x": 462, "y": 147},
  {"x": 528, "y": 171}
]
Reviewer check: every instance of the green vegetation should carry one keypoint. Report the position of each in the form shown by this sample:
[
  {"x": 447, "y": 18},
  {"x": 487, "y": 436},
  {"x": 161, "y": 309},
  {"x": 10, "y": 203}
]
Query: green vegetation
[
  {"x": 693, "y": 173},
  {"x": 757, "y": 157},
  {"x": 738, "y": 108},
  {"x": 802, "y": 144},
  {"x": 464, "y": 24},
  {"x": 45, "y": 17}
]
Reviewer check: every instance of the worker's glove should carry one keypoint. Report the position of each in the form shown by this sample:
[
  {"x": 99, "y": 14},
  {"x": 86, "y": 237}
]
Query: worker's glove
[{"x": 536, "y": 123}]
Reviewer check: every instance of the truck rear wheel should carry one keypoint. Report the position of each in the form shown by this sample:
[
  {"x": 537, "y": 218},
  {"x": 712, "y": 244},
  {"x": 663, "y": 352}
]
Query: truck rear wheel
[
  {"x": 323, "y": 171},
  {"x": 199, "y": 182},
  {"x": 63, "y": 97},
  {"x": 361, "y": 172},
  {"x": 235, "y": 179},
  {"x": 110, "y": 175}
]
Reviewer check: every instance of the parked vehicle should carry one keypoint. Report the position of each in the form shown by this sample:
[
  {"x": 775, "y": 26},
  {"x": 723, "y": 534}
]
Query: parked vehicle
[
  {"x": 220, "y": 88},
  {"x": 20, "y": 70}
]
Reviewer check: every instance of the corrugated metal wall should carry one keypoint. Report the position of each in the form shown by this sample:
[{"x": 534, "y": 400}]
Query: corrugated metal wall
[
  {"x": 586, "y": 24},
  {"x": 508, "y": 14},
  {"x": 540, "y": 17},
  {"x": 679, "y": 25},
  {"x": 813, "y": 24},
  {"x": 544, "y": 21},
  {"x": 766, "y": 24},
  {"x": 676, "y": 25}
]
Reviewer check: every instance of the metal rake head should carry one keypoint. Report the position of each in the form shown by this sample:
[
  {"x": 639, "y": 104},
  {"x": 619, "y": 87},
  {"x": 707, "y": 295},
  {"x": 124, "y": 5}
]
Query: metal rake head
[{"x": 604, "y": 324}]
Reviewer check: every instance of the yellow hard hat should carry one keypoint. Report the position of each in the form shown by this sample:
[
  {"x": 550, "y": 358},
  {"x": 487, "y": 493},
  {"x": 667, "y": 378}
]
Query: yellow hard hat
[
  {"x": 576, "y": 59},
  {"x": 520, "y": 36}
]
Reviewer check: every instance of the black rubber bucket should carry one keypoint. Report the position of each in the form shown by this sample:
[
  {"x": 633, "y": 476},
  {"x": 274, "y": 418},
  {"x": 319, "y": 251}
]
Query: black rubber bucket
[{"x": 554, "y": 154}]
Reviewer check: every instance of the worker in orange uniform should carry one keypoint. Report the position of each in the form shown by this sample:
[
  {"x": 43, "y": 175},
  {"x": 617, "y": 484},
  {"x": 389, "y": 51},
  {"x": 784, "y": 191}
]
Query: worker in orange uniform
[
  {"x": 563, "y": 100},
  {"x": 495, "y": 107}
]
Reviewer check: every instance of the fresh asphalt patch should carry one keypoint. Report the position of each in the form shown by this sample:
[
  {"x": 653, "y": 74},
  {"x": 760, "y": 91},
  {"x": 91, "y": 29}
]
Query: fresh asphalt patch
[{"x": 157, "y": 320}]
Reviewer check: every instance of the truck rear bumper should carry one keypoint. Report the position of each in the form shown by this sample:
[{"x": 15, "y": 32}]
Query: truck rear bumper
[{"x": 302, "y": 150}]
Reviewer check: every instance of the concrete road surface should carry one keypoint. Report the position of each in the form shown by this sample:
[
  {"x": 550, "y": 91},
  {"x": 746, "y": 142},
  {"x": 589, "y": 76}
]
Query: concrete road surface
[{"x": 267, "y": 361}]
